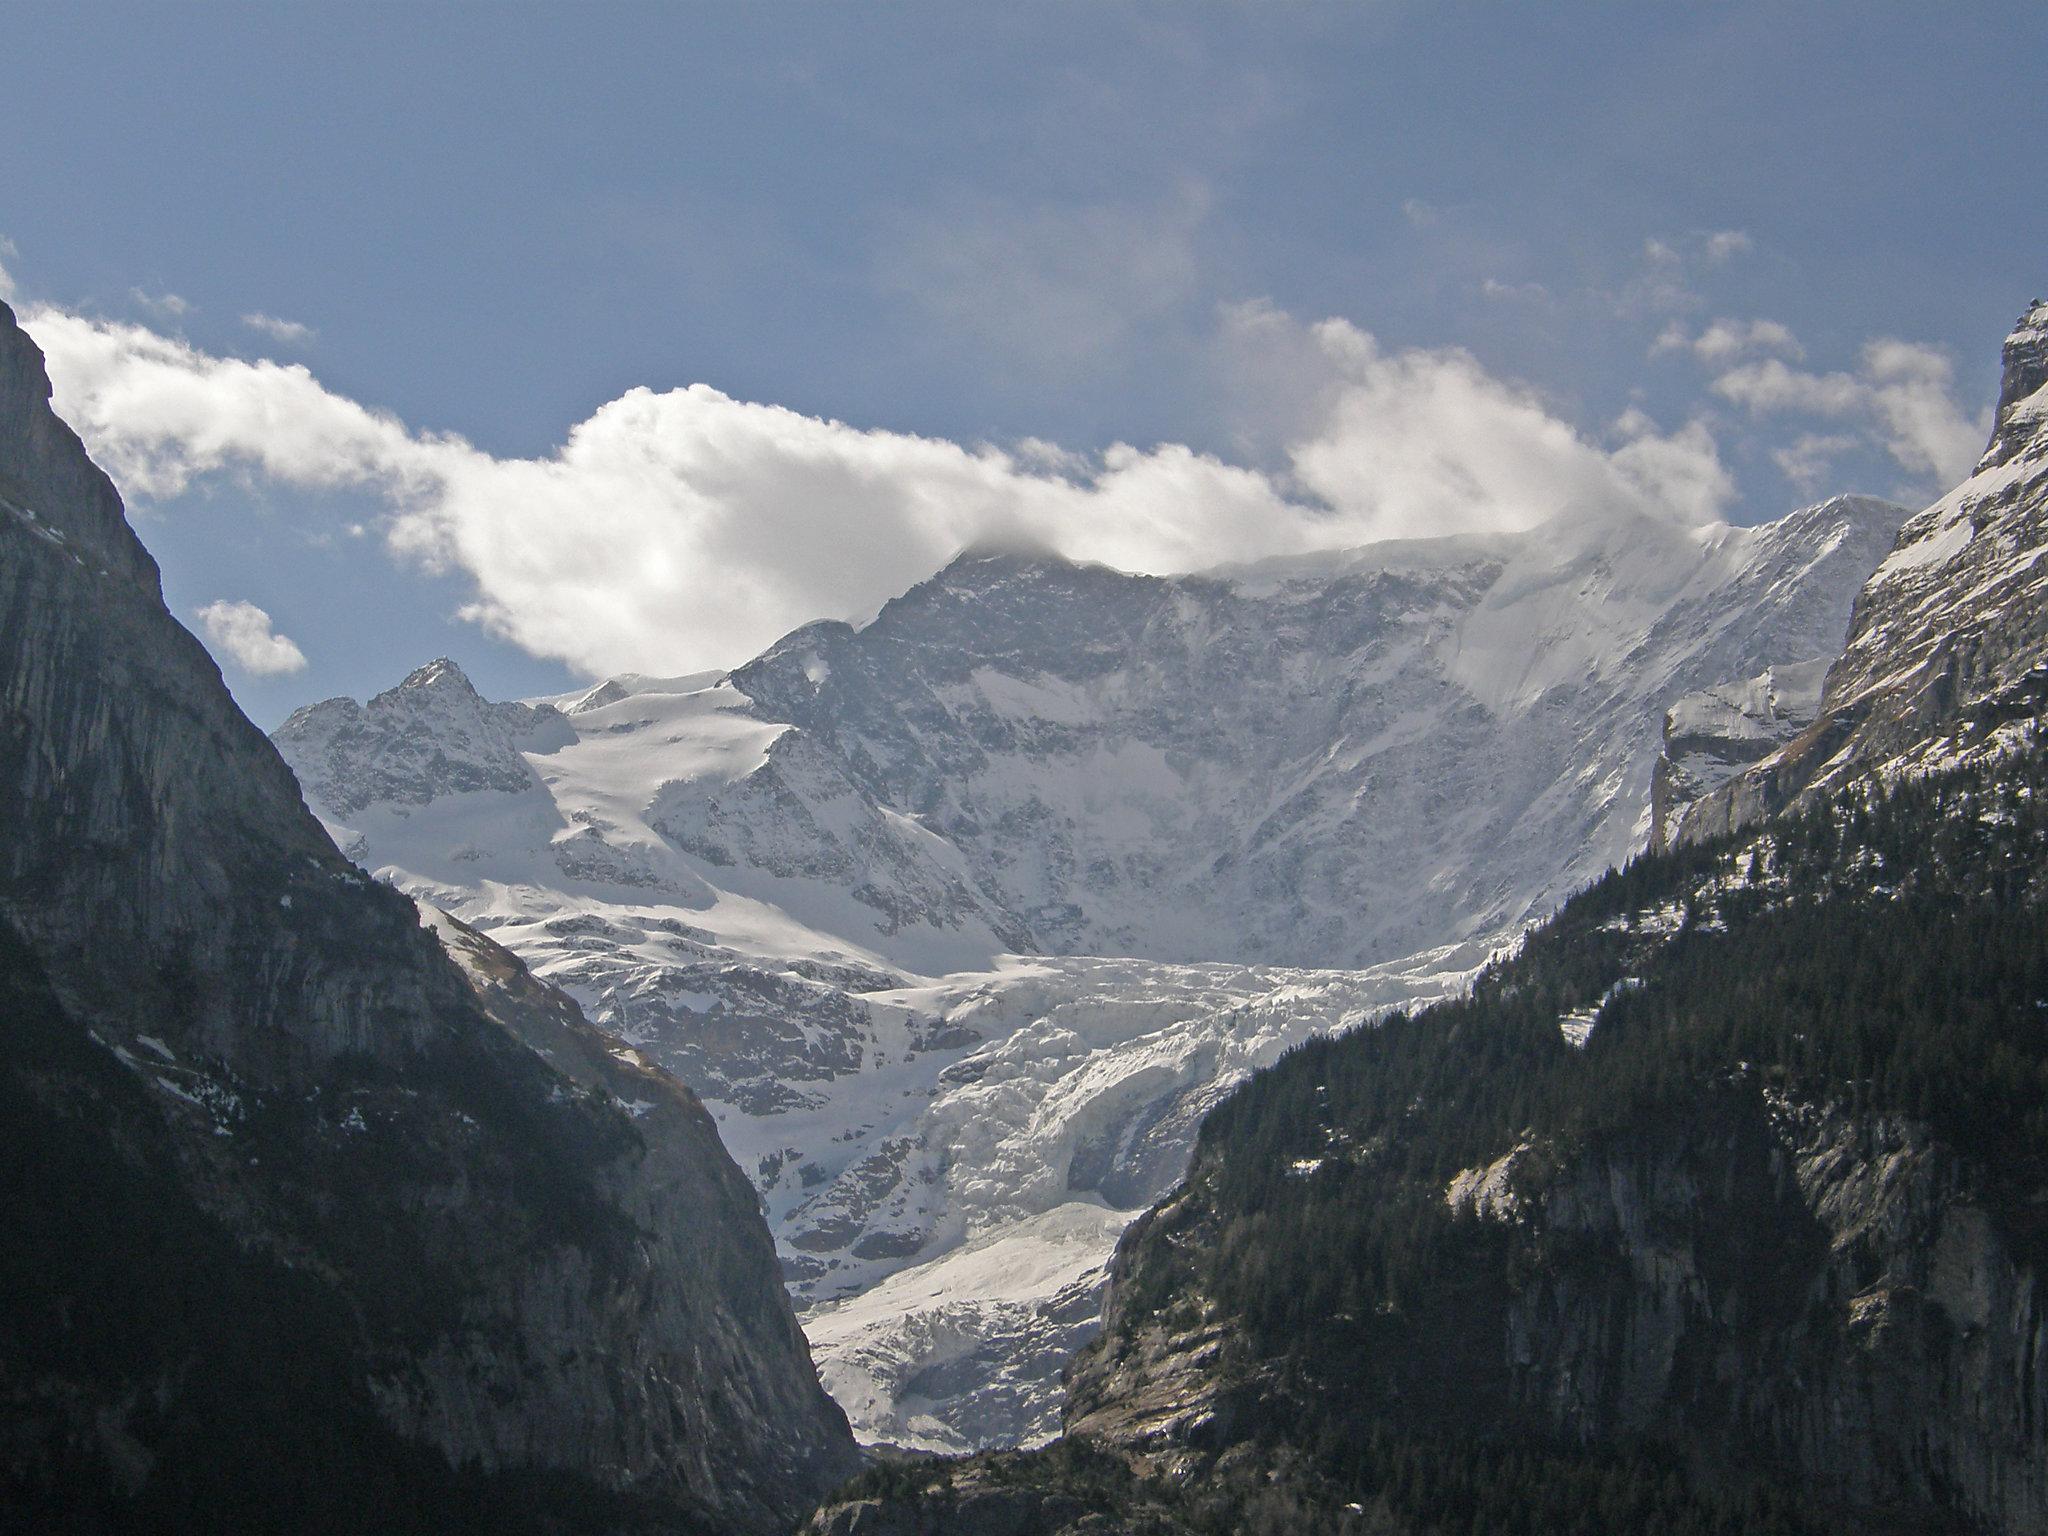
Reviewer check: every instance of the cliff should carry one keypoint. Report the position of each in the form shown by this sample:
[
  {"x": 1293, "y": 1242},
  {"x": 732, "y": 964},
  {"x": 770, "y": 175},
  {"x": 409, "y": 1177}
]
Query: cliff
[
  {"x": 518, "y": 1254},
  {"x": 1948, "y": 645}
]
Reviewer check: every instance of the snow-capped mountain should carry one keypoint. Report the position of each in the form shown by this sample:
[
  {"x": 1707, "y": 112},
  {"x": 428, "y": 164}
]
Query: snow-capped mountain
[
  {"x": 963, "y": 917},
  {"x": 1948, "y": 653}
]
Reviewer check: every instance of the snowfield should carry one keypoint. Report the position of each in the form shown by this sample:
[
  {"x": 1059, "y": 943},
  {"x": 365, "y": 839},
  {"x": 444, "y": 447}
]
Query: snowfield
[{"x": 960, "y": 920}]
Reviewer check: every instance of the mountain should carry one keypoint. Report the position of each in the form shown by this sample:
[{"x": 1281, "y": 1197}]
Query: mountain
[
  {"x": 1715, "y": 1206},
  {"x": 1330, "y": 762},
  {"x": 1947, "y": 654},
  {"x": 310, "y": 1226},
  {"x": 963, "y": 918}
]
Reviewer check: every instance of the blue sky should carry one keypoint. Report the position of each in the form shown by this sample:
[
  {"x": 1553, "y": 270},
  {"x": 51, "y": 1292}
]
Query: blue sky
[{"x": 1329, "y": 272}]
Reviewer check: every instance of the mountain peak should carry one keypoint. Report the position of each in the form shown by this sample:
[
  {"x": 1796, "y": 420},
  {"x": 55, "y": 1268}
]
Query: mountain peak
[
  {"x": 997, "y": 559},
  {"x": 441, "y": 672},
  {"x": 48, "y": 485},
  {"x": 2025, "y": 374}
]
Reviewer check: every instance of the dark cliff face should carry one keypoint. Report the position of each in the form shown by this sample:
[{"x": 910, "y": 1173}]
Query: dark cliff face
[{"x": 509, "y": 1249}]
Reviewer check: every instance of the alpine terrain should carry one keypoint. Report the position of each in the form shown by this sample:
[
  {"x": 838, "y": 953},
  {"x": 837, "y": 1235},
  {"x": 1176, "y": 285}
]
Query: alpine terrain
[
  {"x": 961, "y": 919},
  {"x": 1715, "y": 1206},
  {"x": 313, "y": 1227}
]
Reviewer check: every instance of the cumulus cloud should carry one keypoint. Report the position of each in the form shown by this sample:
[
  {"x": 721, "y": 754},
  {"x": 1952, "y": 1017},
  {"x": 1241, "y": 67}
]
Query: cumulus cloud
[
  {"x": 1660, "y": 285},
  {"x": 680, "y": 529},
  {"x": 1724, "y": 341},
  {"x": 1429, "y": 442},
  {"x": 1903, "y": 395},
  {"x": 242, "y": 632},
  {"x": 289, "y": 332},
  {"x": 7, "y": 254}
]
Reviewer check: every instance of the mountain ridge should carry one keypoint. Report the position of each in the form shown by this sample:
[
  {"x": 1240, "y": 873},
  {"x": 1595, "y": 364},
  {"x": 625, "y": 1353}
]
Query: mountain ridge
[
  {"x": 850, "y": 890},
  {"x": 1714, "y": 1205},
  {"x": 547, "y": 1280}
]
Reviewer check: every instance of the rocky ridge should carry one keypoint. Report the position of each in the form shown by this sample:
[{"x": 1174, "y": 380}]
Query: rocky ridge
[
  {"x": 511, "y": 1250},
  {"x": 1947, "y": 649}
]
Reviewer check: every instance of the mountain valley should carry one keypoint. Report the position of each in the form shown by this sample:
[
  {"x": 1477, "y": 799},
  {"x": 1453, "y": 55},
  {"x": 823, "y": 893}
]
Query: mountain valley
[{"x": 962, "y": 920}]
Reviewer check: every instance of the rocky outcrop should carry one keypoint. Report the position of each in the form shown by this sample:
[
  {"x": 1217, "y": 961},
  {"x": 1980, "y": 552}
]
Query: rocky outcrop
[
  {"x": 1712, "y": 735},
  {"x": 1790, "y": 1284},
  {"x": 1948, "y": 646},
  {"x": 1731, "y": 1219},
  {"x": 432, "y": 735},
  {"x": 545, "y": 1260}
]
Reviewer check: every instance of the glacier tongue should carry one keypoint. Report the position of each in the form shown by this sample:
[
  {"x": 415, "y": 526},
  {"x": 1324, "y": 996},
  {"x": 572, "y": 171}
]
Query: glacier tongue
[{"x": 962, "y": 919}]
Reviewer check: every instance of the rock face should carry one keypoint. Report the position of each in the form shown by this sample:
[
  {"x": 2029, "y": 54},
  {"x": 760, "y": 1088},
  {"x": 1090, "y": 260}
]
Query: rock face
[
  {"x": 1712, "y": 735},
  {"x": 1949, "y": 644},
  {"x": 960, "y": 920},
  {"x": 530, "y": 1256},
  {"x": 1699, "y": 1228}
]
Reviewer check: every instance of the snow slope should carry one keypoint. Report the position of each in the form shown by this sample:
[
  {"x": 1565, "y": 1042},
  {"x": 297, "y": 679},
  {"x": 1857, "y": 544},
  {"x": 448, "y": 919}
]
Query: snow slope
[
  {"x": 962, "y": 919},
  {"x": 1947, "y": 657}
]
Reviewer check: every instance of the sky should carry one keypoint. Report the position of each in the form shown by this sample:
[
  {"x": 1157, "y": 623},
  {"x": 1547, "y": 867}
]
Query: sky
[{"x": 576, "y": 339}]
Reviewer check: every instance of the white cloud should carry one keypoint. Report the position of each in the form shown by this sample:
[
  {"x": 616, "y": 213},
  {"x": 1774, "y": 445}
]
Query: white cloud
[
  {"x": 1663, "y": 283},
  {"x": 1724, "y": 341},
  {"x": 290, "y": 332},
  {"x": 157, "y": 413},
  {"x": 7, "y": 253},
  {"x": 1419, "y": 213},
  {"x": 243, "y": 632},
  {"x": 1513, "y": 293},
  {"x": 169, "y": 304},
  {"x": 683, "y": 529},
  {"x": 1726, "y": 244},
  {"x": 1428, "y": 442},
  {"x": 1903, "y": 394}
]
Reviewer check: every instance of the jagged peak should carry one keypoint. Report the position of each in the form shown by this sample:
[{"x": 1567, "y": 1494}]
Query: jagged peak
[
  {"x": 48, "y": 483},
  {"x": 2025, "y": 358},
  {"x": 1873, "y": 512},
  {"x": 441, "y": 672},
  {"x": 610, "y": 691}
]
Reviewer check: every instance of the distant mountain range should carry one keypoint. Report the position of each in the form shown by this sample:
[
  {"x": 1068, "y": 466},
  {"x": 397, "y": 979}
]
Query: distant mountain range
[{"x": 962, "y": 919}]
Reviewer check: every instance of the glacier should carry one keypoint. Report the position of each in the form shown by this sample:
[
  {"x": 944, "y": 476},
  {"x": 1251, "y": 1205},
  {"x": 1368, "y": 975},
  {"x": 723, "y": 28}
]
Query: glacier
[{"x": 961, "y": 918}]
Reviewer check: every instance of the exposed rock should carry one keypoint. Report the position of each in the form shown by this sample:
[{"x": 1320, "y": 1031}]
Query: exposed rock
[
  {"x": 547, "y": 1260},
  {"x": 1711, "y": 736},
  {"x": 1948, "y": 649}
]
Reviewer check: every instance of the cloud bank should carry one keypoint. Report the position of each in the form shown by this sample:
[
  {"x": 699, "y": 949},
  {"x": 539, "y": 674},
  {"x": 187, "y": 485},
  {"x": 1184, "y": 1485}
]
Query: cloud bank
[
  {"x": 243, "y": 632},
  {"x": 684, "y": 529}
]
